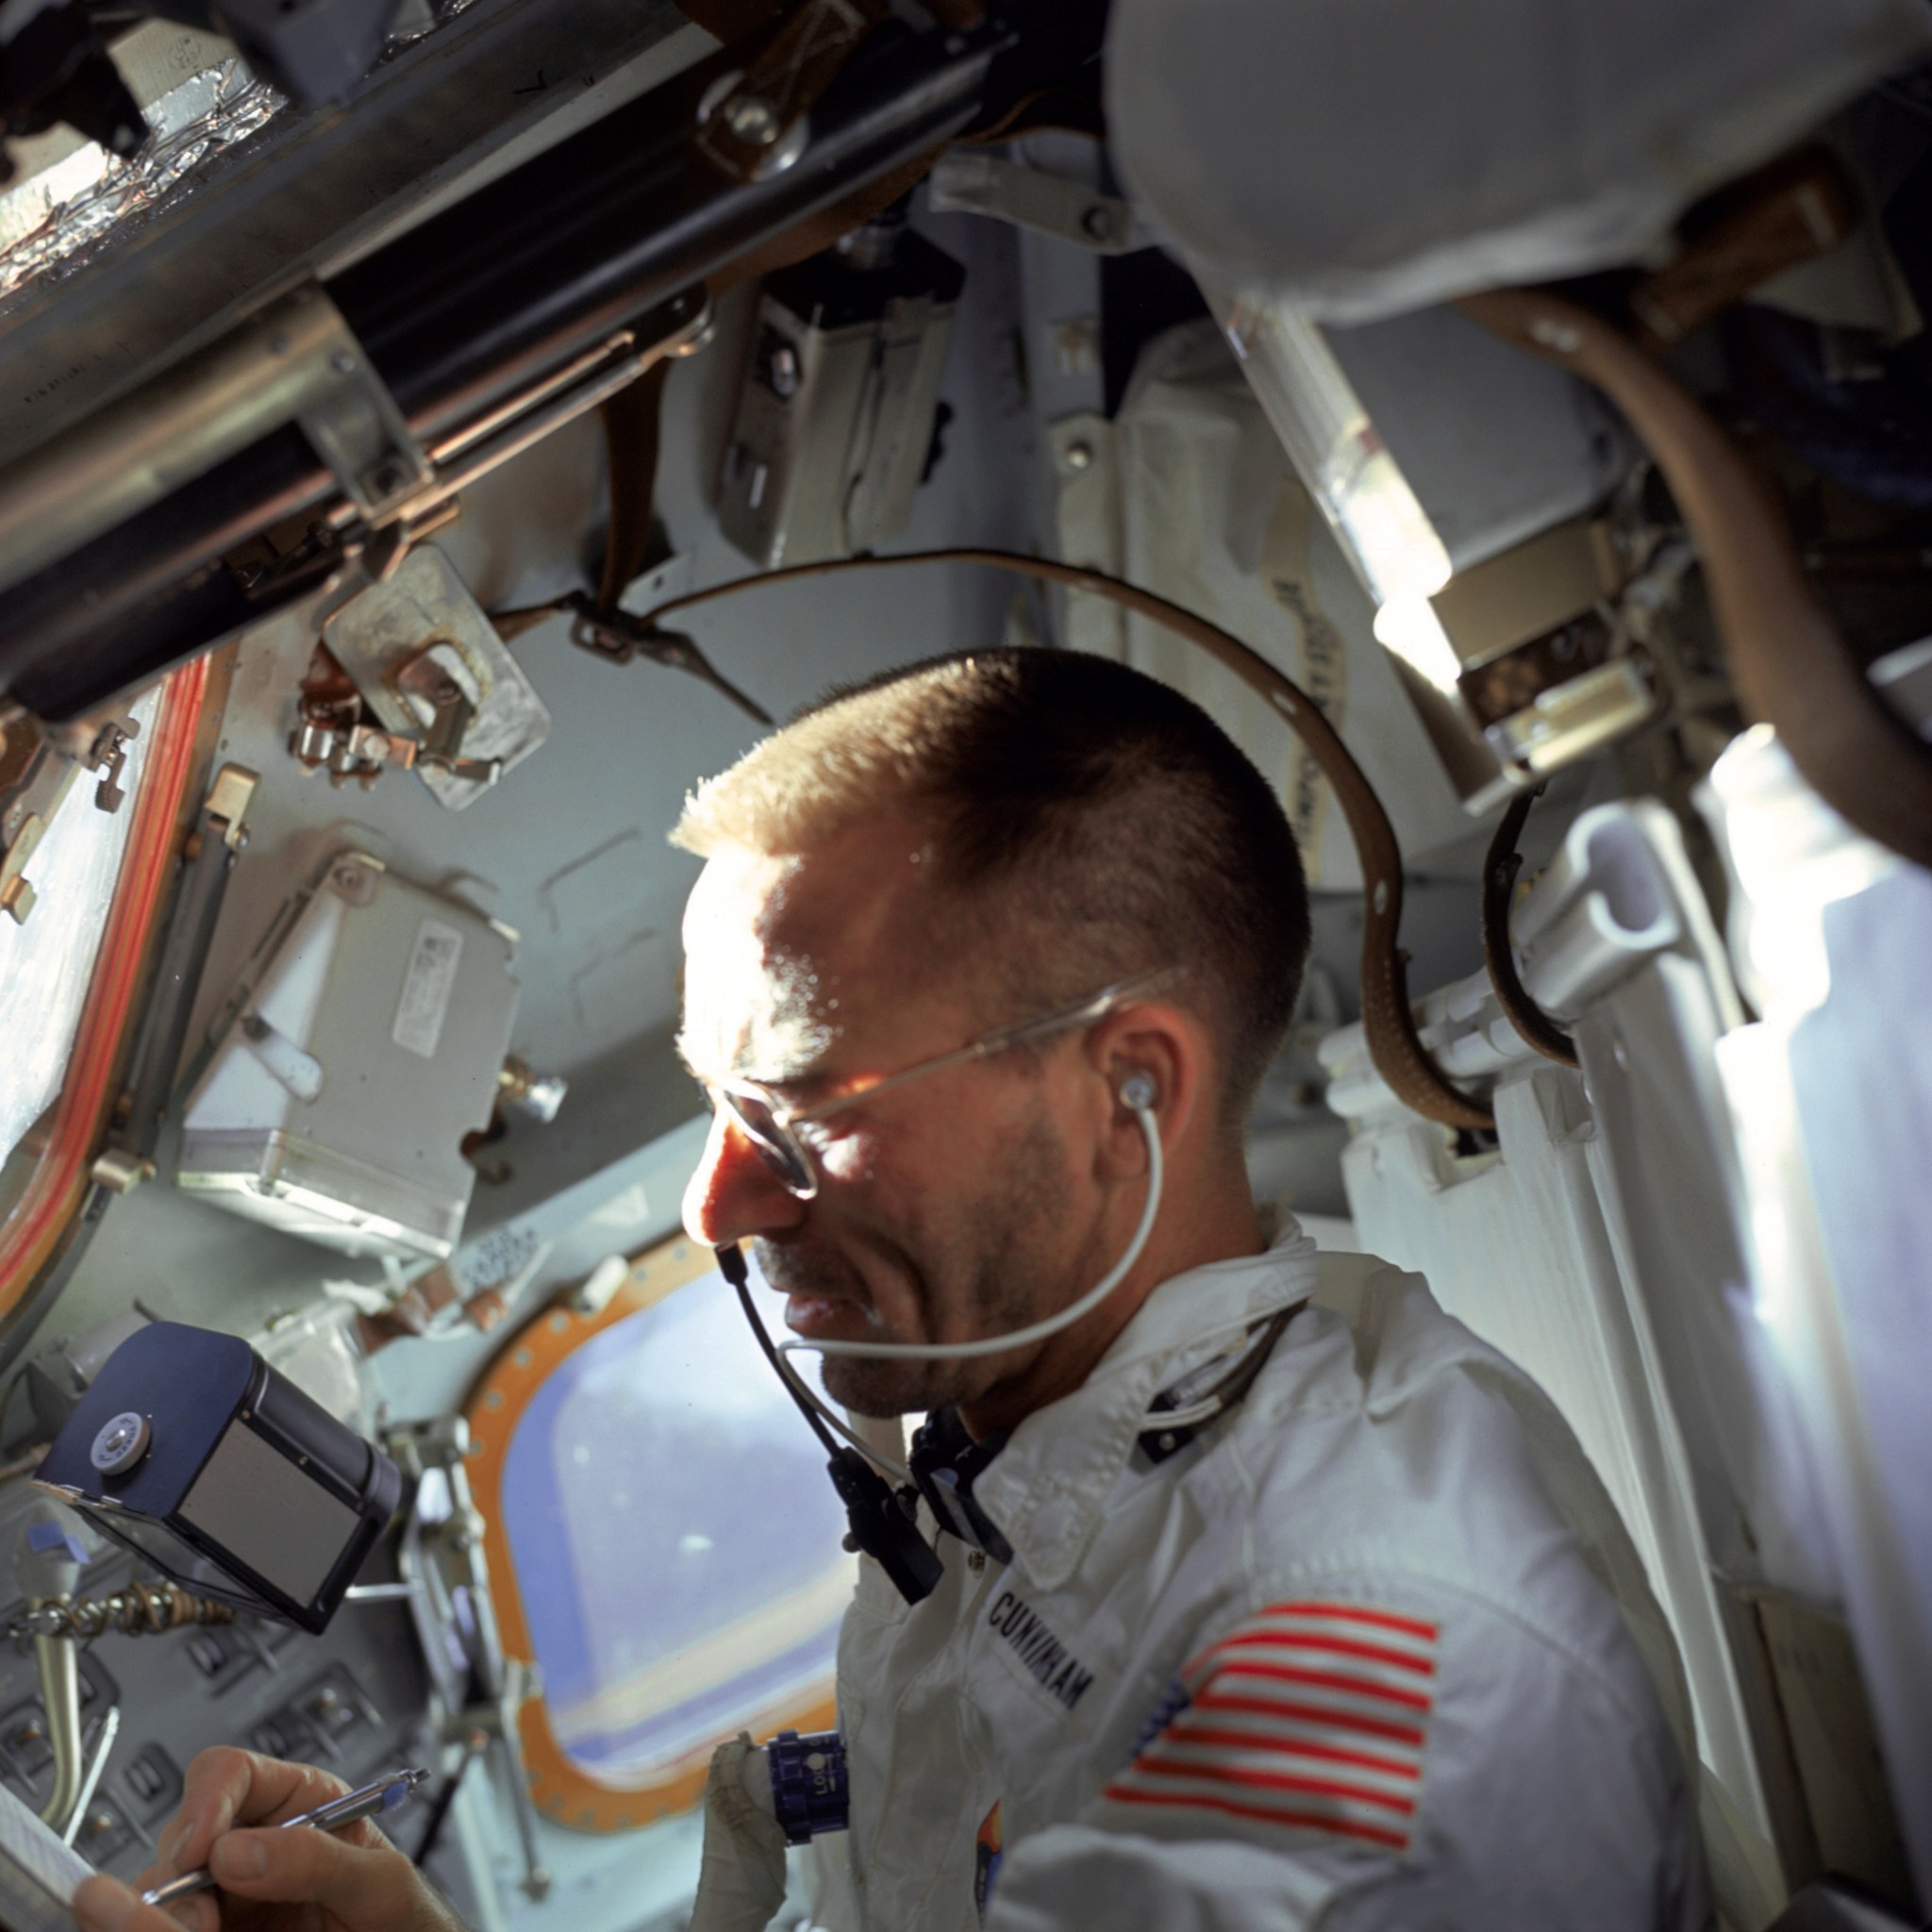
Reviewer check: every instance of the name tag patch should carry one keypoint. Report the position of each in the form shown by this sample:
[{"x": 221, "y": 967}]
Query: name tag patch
[{"x": 1043, "y": 1656}]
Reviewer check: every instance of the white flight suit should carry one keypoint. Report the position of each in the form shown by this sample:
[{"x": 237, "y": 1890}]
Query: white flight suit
[{"x": 1374, "y": 1650}]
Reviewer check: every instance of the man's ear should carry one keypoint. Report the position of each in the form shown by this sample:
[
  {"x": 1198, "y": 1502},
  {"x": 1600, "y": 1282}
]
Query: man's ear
[{"x": 1155, "y": 1056}]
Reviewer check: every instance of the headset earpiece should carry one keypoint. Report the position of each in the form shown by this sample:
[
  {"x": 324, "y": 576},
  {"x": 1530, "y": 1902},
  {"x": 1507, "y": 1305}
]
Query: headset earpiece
[{"x": 1138, "y": 1089}]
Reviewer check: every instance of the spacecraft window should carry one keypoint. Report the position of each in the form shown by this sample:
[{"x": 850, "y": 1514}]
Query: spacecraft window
[
  {"x": 47, "y": 960},
  {"x": 675, "y": 1550}
]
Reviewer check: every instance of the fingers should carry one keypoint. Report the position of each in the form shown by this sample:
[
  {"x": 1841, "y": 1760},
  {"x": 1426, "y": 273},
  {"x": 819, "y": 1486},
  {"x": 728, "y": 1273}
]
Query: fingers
[
  {"x": 368, "y": 1887},
  {"x": 227, "y": 1798},
  {"x": 105, "y": 1905},
  {"x": 227, "y": 1787},
  {"x": 197, "y": 1913}
]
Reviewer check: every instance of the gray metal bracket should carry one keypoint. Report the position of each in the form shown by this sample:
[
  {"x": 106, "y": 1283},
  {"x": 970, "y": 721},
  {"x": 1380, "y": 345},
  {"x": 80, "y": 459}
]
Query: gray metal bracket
[
  {"x": 971, "y": 181},
  {"x": 355, "y": 427}
]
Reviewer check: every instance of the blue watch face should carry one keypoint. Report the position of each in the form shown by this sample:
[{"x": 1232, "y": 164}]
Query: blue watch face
[{"x": 810, "y": 1792}]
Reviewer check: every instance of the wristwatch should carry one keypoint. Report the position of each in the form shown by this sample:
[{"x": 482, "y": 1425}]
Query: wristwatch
[{"x": 809, "y": 1794}]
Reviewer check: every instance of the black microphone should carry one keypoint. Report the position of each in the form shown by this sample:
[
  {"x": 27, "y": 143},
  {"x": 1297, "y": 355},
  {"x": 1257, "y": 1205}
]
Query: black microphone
[{"x": 880, "y": 1525}]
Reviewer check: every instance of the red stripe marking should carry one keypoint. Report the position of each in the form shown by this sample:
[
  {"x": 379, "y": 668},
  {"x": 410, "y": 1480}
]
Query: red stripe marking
[
  {"x": 1341, "y": 1721},
  {"x": 1275, "y": 1781},
  {"x": 1341, "y": 1827},
  {"x": 1182, "y": 1733},
  {"x": 1328, "y": 1680},
  {"x": 1382, "y": 1620},
  {"x": 1341, "y": 1647}
]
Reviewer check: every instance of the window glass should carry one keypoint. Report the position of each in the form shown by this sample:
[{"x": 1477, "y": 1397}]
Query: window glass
[
  {"x": 46, "y": 964},
  {"x": 676, "y": 1541}
]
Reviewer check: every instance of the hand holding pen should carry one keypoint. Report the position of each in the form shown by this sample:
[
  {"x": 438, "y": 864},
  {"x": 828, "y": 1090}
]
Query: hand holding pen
[
  {"x": 385, "y": 1794},
  {"x": 344, "y": 1878}
]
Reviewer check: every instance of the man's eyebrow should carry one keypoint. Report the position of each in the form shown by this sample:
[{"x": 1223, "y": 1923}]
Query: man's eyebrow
[
  {"x": 805, "y": 1072},
  {"x": 789, "y": 1080}
]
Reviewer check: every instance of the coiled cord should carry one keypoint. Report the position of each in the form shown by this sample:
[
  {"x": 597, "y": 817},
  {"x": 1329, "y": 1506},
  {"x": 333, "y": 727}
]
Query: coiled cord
[{"x": 142, "y": 1609}]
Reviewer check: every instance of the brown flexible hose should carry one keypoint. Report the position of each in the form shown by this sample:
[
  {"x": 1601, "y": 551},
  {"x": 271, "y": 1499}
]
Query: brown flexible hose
[
  {"x": 1790, "y": 666},
  {"x": 1394, "y": 1045},
  {"x": 1500, "y": 867}
]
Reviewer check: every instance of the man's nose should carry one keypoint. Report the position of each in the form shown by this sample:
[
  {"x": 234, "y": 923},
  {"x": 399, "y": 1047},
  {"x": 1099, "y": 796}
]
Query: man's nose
[{"x": 734, "y": 1194}]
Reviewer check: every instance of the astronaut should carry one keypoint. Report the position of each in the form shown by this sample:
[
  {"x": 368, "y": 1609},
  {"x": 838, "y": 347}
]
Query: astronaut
[{"x": 1275, "y": 1597}]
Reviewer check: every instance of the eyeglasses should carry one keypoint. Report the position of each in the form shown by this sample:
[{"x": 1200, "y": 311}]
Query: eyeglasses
[{"x": 771, "y": 1126}]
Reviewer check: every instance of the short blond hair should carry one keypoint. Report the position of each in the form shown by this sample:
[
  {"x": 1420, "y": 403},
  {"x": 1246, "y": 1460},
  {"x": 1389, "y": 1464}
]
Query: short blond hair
[
  {"x": 1091, "y": 822},
  {"x": 856, "y": 750}
]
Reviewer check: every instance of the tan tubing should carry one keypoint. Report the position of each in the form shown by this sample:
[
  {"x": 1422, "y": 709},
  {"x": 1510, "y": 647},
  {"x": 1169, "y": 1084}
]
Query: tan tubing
[
  {"x": 1790, "y": 666},
  {"x": 1394, "y": 1045}
]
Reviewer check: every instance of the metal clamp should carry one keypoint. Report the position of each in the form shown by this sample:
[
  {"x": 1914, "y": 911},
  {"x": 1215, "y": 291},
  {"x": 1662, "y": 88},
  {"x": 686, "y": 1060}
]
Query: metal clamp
[
  {"x": 976, "y": 183},
  {"x": 357, "y": 428},
  {"x": 229, "y": 799},
  {"x": 34, "y": 785},
  {"x": 108, "y": 755},
  {"x": 354, "y": 750},
  {"x": 295, "y": 361},
  {"x": 434, "y": 690},
  {"x": 17, "y": 894},
  {"x": 755, "y": 122},
  {"x": 618, "y": 637}
]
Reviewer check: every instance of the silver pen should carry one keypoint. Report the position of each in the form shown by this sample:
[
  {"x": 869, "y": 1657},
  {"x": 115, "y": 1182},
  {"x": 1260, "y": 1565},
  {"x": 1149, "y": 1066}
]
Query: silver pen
[{"x": 385, "y": 1794}]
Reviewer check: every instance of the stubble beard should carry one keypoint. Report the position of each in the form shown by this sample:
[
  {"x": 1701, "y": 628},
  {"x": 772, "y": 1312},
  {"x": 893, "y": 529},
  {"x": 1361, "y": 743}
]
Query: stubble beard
[{"x": 996, "y": 1262}]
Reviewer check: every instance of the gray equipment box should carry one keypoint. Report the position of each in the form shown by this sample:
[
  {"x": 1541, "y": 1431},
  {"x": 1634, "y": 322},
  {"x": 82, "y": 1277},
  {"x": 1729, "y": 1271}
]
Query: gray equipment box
[
  {"x": 835, "y": 421},
  {"x": 366, "y": 1043}
]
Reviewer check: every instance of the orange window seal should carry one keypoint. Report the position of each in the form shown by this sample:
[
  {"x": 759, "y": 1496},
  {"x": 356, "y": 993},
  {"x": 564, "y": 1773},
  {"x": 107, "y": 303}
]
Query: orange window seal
[{"x": 31, "y": 1232}]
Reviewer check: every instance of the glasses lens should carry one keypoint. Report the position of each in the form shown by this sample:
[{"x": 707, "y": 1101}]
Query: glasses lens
[{"x": 777, "y": 1147}]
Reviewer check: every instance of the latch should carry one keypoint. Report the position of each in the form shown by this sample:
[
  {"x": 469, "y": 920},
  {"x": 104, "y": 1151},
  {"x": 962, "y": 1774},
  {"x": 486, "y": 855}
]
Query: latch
[
  {"x": 435, "y": 688},
  {"x": 355, "y": 425},
  {"x": 978, "y": 183},
  {"x": 108, "y": 755},
  {"x": 38, "y": 767},
  {"x": 410, "y": 673},
  {"x": 436, "y": 684}
]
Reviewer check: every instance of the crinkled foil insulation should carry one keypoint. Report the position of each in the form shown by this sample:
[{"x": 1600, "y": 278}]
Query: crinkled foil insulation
[{"x": 50, "y": 221}]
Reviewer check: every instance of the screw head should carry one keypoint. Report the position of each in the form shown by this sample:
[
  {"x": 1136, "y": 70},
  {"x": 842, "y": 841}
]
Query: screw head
[
  {"x": 121, "y": 1442},
  {"x": 753, "y": 120}
]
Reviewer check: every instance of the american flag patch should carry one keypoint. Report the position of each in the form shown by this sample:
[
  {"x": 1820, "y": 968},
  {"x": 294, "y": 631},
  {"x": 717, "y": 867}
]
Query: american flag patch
[{"x": 1310, "y": 1717}]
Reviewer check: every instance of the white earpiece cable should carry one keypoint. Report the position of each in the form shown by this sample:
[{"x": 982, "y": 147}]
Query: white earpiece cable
[
  {"x": 1039, "y": 1332},
  {"x": 805, "y": 1393}
]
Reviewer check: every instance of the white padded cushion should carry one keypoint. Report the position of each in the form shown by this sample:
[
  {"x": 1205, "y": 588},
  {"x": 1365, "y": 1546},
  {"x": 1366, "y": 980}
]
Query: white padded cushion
[{"x": 1364, "y": 157}]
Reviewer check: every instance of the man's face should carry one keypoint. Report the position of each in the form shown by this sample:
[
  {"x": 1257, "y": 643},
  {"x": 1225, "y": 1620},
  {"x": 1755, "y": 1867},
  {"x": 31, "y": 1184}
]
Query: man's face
[{"x": 960, "y": 1205}]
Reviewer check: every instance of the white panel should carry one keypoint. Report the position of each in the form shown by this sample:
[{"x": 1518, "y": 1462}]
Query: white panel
[
  {"x": 1831, "y": 1100},
  {"x": 1516, "y": 1246}
]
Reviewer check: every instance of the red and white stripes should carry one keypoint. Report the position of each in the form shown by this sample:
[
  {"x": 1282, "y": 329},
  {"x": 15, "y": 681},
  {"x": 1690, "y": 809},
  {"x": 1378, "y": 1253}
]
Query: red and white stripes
[{"x": 1307, "y": 1717}]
